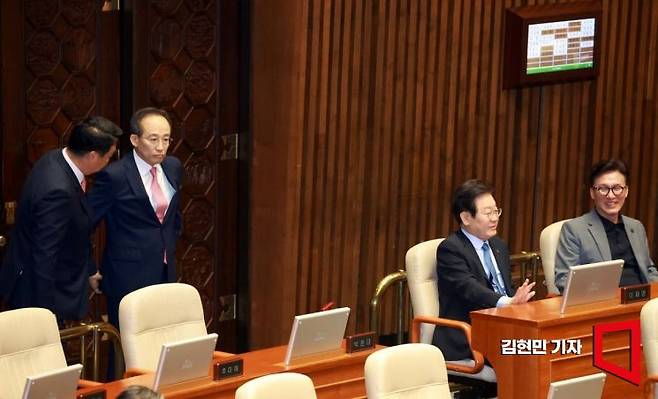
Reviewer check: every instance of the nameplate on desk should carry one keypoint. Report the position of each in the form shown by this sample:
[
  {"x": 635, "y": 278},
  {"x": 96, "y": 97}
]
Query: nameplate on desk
[
  {"x": 360, "y": 342},
  {"x": 635, "y": 293},
  {"x": 95, "y": 394},
  {"x": 232, "y": 367}
]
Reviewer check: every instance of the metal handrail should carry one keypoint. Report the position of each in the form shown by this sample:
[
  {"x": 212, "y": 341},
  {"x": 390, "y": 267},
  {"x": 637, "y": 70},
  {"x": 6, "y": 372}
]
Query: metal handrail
[
  {"x": 96, "y": 330},
  {"x": 400, "y": 277}
]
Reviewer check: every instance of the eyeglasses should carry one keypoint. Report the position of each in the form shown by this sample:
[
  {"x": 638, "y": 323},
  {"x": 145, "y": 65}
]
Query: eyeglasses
[
  {"x": 492, "y": 212},
  {"x": 605, "y": 190}
]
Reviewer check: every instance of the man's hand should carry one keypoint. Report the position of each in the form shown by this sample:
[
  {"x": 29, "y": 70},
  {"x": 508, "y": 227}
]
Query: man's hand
[
  {"x": 524, "y": 293},
  {"x": 94, "y": 282}
]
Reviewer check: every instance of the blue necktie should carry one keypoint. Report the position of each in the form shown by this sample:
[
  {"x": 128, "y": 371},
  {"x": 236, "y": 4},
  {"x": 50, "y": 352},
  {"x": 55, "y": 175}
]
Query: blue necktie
[{"x": 493, "y": 276}]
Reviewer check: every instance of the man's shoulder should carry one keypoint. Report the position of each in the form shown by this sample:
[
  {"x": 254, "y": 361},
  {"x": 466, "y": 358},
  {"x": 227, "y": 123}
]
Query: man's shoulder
[
  {"x": 581, "y": 221},
  {"x": 171, "y": 161}
]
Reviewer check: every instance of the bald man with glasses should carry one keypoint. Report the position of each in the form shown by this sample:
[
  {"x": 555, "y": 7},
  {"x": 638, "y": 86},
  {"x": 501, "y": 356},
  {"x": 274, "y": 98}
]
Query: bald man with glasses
[{"x": 604, "y": 233}]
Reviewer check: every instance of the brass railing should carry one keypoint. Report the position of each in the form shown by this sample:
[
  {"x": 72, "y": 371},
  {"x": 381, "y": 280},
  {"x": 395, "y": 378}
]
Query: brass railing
[
  {"x": 528, "y": 267},
  {"x": 399, "y": 277},
  {"x": 96, "y": 330}
]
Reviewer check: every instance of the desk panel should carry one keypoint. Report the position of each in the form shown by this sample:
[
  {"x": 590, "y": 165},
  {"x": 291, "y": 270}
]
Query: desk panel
[
  {"x": 334, "y": 376},
  {"x": 529, "y": 376}
]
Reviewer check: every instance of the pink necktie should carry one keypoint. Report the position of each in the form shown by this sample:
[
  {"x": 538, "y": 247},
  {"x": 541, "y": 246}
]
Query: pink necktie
[
  {"x": 158, "y": 196},
  {"x": 83, "y": 184},
  {"x": 160, "y": 202}
]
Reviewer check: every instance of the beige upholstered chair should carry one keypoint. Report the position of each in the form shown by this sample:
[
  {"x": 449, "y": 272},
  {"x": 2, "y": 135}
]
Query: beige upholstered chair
[
  {"x": 649, "y": 327},
  {"x": 548, "y": 240},
  {"x": 29, "y": 345},
  {"x": 409, "y": 370},
  {"x": 280, "y": 385},
  {"x": 155, "y": 315},
  {"x": 420, "y": 262}
]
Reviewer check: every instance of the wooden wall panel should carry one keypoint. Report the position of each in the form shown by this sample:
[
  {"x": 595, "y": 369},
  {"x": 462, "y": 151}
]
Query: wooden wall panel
[{"x": 381, "y": 108}]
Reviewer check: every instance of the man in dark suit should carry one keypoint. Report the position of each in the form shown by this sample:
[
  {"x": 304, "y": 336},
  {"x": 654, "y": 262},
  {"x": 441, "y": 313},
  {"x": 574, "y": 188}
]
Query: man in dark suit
[
  {"x": 139, "y": 199},
  {"x": 473, "y": 268},
  {"x": 48, "y": 261}
]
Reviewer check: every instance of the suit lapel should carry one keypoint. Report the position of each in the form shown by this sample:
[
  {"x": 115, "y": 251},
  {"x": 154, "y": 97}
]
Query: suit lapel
[
  {"x": 636, "y": 241},
  {"x": 73, "y": 181},
  {"x": 473, "y": 259},
  {"x": 169, "y": 175},
  {"x": 136, "y": 184},
  {"x": 598, "y": 234}
]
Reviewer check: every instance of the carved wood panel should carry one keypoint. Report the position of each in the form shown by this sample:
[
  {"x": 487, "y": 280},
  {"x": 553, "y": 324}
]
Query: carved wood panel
[{"x": 175, "y": 54}]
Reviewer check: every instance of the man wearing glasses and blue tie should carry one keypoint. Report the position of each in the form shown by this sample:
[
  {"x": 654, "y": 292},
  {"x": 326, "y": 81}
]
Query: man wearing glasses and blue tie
[
  {"x": 473, "y": 269},
  {"x": 604, "y": 233}
]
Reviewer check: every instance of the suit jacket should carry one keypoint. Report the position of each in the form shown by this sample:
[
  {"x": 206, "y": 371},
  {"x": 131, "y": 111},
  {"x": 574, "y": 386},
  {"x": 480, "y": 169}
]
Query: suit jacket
[
  {"x": 135, "y": 238},
  {"x": 48, "y": 260},
  {"x": 463, "y": 287},
  {"x": 583, "y": 240}
]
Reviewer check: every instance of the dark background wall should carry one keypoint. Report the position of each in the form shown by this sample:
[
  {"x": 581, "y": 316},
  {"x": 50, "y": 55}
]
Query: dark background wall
[{"x": 367, "y": 114}]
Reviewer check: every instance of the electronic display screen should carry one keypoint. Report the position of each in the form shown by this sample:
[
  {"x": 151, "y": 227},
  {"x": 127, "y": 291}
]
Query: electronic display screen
[{"x": 560, "y": 46}]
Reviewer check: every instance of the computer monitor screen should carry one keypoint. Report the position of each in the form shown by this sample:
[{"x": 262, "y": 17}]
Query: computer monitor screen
[
  {"x": 184, "y": 360},
  {"x": 56, "y": 384},
  {"x": 592, "y": 282},
  {"x": 560, "y": 46},
  {"x": 315, "y": 333}
]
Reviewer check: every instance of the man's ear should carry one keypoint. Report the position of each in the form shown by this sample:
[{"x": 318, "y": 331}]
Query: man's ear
[
  {"x": 133, "y": 139},
  {"x": 92, "y": 156},
  {"x": 466, "y": 217}
]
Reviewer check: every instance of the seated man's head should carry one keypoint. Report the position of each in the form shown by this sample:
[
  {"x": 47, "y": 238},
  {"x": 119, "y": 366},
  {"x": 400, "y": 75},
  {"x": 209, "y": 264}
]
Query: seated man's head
[
  {"x": 139, "y": 392},
  {"x": 474, "y": 208},
  {"x": 608, "y": 188}
]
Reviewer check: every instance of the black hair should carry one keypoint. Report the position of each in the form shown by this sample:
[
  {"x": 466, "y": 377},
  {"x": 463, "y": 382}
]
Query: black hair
[
  {"x": 610, "y": 165},
  {"x": 136, "y": 119},
  {"x": 93, "y": 134},
  {"x": 138, "y": 392},
  {"x": 465, "y": 195}
]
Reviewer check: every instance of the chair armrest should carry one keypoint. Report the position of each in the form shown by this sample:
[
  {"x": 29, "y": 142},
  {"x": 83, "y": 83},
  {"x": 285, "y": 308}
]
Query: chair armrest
[
  {"x": 648, "y": 386},
  {"x": 132, "y": 372},
  {"x": 88, "y": 384},
  {"x": 219, "y": 355},
  {"x": 460, "y": 325}
]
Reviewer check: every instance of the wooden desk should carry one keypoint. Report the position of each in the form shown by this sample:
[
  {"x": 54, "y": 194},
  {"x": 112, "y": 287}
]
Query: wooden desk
[
  {"x": 334, "y": 376},
  {"x": 529, "y": 376}
]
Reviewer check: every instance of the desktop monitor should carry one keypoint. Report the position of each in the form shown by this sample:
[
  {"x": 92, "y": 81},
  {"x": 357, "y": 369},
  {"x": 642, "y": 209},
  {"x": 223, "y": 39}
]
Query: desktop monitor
[
  {"x": 184, "y": 360},
  {"x": 315, "y": 333},
  {"x": 57, "y": 384},
  {"x": 592, "y": 282},
  {"x": 551, "y": 43},
  {"x": 588, "y": 386}
]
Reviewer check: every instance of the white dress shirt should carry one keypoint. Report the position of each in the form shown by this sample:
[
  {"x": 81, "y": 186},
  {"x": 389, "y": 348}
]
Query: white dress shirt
[{"x": 145, "y": 172}]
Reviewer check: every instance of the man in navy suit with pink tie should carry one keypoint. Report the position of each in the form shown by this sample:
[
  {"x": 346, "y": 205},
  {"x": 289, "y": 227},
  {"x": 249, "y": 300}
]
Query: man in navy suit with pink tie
[{"x": 139, "y": 199}]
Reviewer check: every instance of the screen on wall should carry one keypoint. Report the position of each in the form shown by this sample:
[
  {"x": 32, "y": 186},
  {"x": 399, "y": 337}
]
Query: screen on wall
[
  {"x": 560, "y": 46},
  {"x": 551, "y": 43}
]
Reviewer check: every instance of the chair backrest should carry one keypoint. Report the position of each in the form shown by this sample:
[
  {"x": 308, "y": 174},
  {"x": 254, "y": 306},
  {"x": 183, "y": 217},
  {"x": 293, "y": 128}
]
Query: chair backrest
[
  {"x": 280, "y": 385},
  {"x": 155, "y": 315},
  {"x": 409, "y": 370},
  {"x": 420, "y": 263},
  {"x": 649, "y": 327},
  {"x": 30, "y": 345},
  {"x": 548, "y": 240}
]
